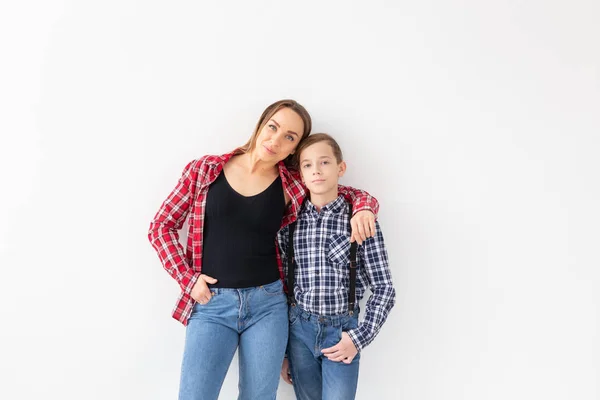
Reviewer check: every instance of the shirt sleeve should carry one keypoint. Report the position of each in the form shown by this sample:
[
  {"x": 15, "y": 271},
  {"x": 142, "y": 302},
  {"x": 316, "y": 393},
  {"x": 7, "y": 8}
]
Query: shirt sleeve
[
  {"x": 163, "y": 232},
  {"x": 374, "y": 267},
  {"x": 360, "y": 199}
]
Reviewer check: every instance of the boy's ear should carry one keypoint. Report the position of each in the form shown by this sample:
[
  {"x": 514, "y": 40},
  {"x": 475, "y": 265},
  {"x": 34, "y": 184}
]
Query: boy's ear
[{"x": 342, "y": 169}]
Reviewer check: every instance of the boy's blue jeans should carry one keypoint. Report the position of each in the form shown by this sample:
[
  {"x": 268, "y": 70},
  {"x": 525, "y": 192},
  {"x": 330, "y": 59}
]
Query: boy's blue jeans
[
  {"x": 256, "y": 320},
  {"x": 314, "y": 376}
]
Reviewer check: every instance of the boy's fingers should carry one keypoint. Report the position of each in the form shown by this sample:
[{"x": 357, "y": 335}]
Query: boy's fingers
[
  {"x": 337, "y": 358},
  {"x": 372, "y": 227},
  {"x": 329, "y": 350}
]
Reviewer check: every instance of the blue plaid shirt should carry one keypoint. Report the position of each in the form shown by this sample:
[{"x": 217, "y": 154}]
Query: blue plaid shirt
[{"x": 322, "y": 271}]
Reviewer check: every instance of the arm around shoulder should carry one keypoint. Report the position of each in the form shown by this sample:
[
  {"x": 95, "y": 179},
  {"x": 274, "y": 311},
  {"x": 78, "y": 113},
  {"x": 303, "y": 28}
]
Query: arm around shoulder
[{"x": 360, "y": 199}]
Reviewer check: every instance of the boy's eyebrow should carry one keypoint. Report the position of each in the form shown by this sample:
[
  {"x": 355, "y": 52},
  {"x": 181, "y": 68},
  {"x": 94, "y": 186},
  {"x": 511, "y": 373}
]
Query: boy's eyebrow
[
  {"x": 279, "y": 126},
  {"x": 319, "y": 158}
]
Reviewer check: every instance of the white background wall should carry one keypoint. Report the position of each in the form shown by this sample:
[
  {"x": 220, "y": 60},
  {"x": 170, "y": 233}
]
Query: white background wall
[{"x": 475, "y": 123}]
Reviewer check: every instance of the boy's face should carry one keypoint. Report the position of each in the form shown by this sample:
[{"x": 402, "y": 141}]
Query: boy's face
[{"x": 320, "y": 170}]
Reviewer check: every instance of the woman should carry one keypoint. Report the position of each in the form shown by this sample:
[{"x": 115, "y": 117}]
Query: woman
[{"x": 236, "y": 203}]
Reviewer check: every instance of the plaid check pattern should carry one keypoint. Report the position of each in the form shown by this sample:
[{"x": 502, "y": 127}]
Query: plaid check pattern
[
  {"x": 322, "y": 270},
  {"x": 188, "y": 201}
]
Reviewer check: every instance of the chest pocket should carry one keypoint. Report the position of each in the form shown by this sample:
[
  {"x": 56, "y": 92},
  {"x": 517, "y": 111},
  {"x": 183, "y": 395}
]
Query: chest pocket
[{"x": 338, "y": 251}]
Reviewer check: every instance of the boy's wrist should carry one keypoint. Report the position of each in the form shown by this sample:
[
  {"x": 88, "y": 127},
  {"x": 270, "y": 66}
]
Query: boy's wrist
[{"x": 355, "y": 339}]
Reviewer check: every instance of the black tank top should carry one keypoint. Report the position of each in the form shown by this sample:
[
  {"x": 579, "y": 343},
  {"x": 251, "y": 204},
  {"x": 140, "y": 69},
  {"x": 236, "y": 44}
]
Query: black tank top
[{"x": 239, "y": 235}]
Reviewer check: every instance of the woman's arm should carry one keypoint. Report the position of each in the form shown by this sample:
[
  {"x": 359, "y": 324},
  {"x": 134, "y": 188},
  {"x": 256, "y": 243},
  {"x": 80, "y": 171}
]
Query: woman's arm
[
  {"x": 365, "y": 207},
  {"x": 364, "y": 210},
  {"x": 163, "y": 232},
  {"x": 361, "y": 200}
]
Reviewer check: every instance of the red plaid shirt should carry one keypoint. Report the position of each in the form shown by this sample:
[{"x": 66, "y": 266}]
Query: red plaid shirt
[{"x": 189, "y": 199}]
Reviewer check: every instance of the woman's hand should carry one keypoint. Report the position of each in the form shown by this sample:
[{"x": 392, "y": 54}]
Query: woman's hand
[
  {"x": 200, "y": 292},
  {"x": 363, "y": 226},
  {"x": 285, "y": 371}
]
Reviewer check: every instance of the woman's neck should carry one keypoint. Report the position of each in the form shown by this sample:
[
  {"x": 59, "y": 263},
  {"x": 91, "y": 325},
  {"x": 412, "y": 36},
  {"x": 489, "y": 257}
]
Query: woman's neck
[{"x": 254, "y": 165}]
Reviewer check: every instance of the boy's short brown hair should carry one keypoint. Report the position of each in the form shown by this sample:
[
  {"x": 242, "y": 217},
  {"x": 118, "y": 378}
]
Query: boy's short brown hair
[{"x": 316, "y": 138}]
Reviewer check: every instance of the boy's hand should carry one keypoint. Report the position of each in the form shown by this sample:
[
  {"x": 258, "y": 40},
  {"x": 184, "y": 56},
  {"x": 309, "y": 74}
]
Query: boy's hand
[
  {"x": 285, "y": 371},
  {"x": 363, "y": 226},
  {"x": 344, "y": 351}
]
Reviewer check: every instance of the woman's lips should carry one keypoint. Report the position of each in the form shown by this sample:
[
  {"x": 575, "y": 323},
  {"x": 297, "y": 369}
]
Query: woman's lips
[{"x": 269, "y": 150}]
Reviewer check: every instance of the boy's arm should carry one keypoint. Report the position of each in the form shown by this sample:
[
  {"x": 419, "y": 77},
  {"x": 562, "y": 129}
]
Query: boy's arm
[{"x": 375, "y": 268}]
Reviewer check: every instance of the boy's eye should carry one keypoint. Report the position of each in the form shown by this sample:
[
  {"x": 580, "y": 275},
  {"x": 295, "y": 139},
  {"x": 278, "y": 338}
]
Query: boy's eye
[
  {"x": 325, "y": 162},
  {"x": 306, "y": 166}
]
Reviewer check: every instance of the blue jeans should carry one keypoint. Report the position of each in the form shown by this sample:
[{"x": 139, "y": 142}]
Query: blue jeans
[
  {"x": 314, "y": 376},
  {"x": 256, "y": 320}
]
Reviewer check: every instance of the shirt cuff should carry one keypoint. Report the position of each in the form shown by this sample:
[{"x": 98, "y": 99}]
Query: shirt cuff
[
  {"x": 188, "y": 281},
  {"x": 357, "y": 338}
]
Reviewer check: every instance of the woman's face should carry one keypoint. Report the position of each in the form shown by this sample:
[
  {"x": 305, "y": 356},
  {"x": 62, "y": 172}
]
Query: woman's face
[{"x": 280, "y": 136}]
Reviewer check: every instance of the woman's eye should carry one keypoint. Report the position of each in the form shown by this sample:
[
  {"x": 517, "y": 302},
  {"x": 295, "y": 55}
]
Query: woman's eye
[
  {"x": 290, "y": 138},
  {"x": 272, "y": 127}
]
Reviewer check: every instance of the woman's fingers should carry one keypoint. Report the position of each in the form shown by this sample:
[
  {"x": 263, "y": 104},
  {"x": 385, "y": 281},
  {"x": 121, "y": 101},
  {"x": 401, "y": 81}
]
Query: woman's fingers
[
  {"x": 363, "y": 226},
  {"x": 208, "y": 279}
]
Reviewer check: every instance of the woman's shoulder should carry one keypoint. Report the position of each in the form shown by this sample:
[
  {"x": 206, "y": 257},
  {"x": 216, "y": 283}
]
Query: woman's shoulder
[
  {"x": 289, "y": 172},
  {"x": 209, "y": 160},
  {"x": 198, "y": 170}
]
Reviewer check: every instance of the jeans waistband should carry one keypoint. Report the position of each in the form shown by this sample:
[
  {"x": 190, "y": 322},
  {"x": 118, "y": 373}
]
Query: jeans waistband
[
  {"x": 215, "y": 291},
  {"x": 333, "y": 320}
]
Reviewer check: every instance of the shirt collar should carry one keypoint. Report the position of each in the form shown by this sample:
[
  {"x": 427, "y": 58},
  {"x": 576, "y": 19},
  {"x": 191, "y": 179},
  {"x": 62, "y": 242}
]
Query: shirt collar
[{"x": 337, "y": 206}]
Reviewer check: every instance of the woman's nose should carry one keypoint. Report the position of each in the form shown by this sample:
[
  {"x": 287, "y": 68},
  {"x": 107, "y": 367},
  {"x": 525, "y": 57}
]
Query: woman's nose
[{"x": 276, "y": 140}]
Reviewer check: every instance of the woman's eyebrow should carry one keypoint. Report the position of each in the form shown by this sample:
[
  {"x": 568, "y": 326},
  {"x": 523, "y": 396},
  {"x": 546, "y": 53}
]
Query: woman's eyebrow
[{"x": 279, "y": 126}]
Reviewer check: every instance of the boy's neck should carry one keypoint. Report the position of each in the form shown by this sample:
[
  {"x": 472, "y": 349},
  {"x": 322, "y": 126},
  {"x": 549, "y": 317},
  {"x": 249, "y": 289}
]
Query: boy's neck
[{"x": 321, "y": 200}]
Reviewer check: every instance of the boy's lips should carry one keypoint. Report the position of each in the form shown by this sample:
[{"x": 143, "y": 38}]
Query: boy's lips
[{"x": 318, "y": 180}]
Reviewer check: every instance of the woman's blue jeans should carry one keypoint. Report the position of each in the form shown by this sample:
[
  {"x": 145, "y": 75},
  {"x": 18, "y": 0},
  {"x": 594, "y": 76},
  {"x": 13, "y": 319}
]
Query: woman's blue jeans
[{"x": 256, "y": 320}]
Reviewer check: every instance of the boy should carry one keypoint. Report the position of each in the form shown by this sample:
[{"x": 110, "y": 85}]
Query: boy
[{"x": 325, "y": 335}]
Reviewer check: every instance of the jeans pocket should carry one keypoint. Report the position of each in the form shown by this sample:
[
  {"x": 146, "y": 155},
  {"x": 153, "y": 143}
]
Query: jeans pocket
[
  {"x": 213, "y": 294},
  {"x": 273, "y": 289},
  {"x": 294, "y": 317},
  {"x": 349, "y": 324}
]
